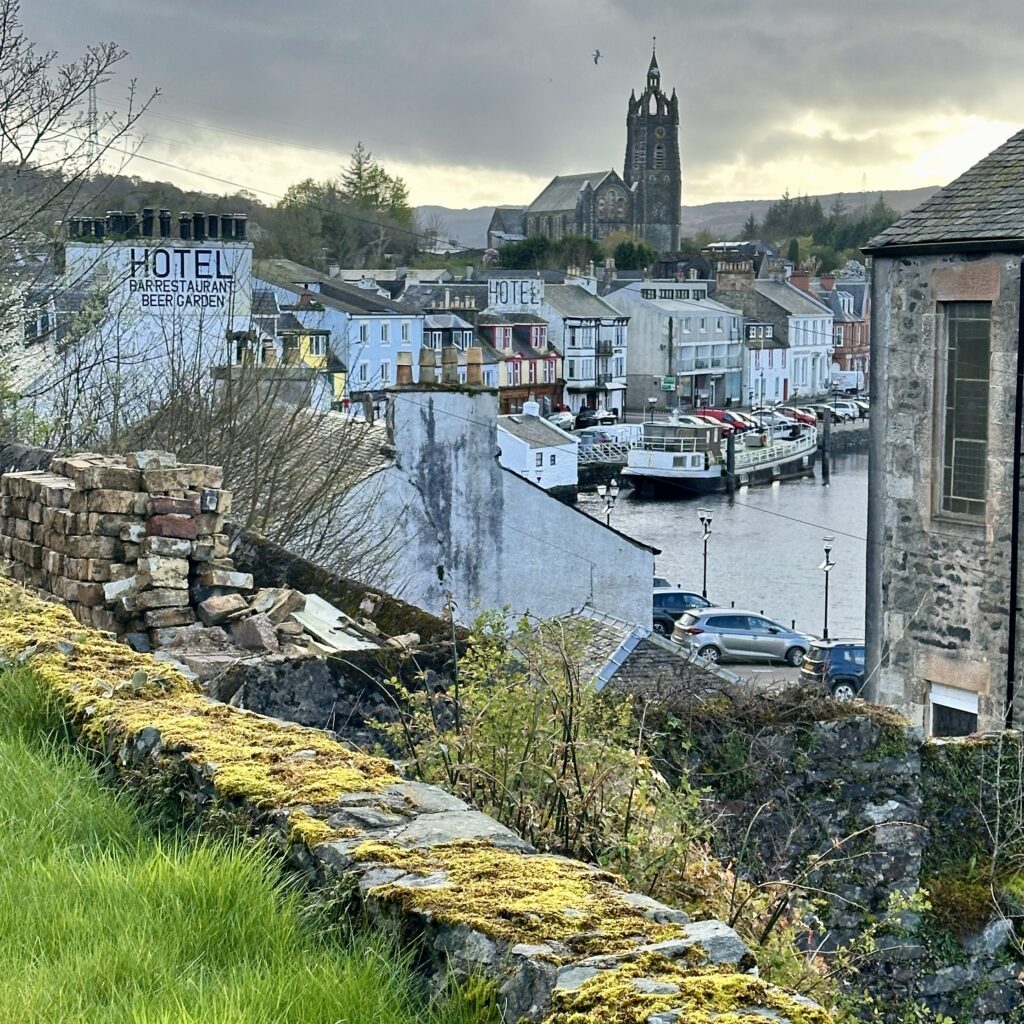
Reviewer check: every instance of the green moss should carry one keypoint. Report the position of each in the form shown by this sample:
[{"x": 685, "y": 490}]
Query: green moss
[
  {"x": 113, "y": 693},
  {"x": 702, "y": 995},
  {"x": 961, "y": 906},
  {"x": 519, "y": 897}
]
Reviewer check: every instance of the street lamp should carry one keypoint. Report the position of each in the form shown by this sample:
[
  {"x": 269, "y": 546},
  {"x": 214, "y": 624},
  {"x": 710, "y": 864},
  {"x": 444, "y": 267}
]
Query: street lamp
[
  {"x": 826, "y": 567},
  {"x": 608, "y": 494},
  {"x": 705, "y": 522},
  {"x": 651, "y": 403}
]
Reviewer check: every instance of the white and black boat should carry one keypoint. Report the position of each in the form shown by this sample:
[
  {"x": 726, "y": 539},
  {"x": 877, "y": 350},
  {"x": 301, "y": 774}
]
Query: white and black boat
[{"x": 674, "y": 460}]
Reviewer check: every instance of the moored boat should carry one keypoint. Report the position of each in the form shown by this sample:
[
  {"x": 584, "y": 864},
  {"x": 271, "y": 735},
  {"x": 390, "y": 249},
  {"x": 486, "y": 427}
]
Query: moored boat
[{"x": 674, "y": 460}]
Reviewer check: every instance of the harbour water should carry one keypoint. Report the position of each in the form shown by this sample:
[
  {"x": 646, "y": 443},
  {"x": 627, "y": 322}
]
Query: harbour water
[{"x": 766, "y": 545}]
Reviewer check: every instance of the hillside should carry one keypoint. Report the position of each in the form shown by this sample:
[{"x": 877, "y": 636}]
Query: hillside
[{"x": 723, "y": 220}]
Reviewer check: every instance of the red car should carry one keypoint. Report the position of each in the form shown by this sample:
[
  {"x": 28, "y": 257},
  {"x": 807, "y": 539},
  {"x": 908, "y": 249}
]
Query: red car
[
  {"x": 799, "y": 415},
  {"x": 736, "y": 421}
]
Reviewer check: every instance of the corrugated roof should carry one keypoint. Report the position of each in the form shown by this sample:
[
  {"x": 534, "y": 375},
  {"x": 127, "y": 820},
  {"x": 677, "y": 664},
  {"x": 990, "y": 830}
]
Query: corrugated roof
[
  {"x": 574, "y": 300},
  {"x": 562, "y": 191},
  {"x": 984, "y": 203}
]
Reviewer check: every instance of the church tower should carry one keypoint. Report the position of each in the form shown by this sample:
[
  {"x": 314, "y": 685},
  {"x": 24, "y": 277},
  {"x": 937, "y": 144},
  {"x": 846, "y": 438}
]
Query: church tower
[{"x": 652, "y": 163}]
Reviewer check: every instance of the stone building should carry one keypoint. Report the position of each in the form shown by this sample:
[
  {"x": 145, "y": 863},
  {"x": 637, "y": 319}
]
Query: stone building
[
  {"x": 644, "y": 201},
  {"x": 943, "y": 506}
]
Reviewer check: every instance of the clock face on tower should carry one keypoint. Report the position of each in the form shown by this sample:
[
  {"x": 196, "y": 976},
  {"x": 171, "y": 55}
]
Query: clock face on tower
[{"x": 660, "y": 132}]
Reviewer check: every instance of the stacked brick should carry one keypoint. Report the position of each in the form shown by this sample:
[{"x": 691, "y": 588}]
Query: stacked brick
[{"x": 134, "y": 546}]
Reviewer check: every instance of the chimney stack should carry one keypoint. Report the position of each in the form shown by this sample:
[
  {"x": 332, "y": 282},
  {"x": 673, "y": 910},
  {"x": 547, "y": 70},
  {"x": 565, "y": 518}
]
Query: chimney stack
[
  {"x": 449, "y": 366},
  {"x": 428, "y": 366},
  {"x": 403, "y": 371},
  {"x": 475, "y": 366}
]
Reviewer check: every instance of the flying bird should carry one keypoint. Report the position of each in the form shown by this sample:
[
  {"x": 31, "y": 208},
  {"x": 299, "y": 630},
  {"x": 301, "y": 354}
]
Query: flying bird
[{"x": 597, "y": 56}]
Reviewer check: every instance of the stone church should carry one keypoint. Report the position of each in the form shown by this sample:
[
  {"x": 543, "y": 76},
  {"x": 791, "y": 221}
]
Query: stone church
[{"x": 644, "y": 200}]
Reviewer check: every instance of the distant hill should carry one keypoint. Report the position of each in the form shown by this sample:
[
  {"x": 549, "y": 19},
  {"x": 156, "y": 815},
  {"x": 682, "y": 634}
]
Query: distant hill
[{"x": 723, "y": 220}]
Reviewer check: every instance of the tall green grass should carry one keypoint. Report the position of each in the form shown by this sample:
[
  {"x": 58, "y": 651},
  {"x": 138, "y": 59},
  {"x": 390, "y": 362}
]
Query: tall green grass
[{"x": 102, "y": 919}]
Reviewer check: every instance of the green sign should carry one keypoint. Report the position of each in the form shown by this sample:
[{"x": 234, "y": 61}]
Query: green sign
[{"x": 668, "y": 383}]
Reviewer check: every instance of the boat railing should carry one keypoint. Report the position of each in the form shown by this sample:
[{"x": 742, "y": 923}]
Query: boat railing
[
  {"x": 669, "y": 444},
  {"x": 614, "y": 452},
  {"x": 776, "y": 450}
]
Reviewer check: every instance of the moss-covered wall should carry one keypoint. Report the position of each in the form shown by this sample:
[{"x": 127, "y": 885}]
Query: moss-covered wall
[{"x": 564, "y": 941}]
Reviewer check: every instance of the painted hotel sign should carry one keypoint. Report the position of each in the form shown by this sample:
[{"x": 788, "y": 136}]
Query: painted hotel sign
[{"x": 192, "y": 280}]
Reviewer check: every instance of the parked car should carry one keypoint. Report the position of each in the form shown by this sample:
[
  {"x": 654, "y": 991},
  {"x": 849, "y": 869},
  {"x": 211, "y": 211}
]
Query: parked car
[
  {"x": 837, "y": 666},
  {"x": 710, "y": 421},
  {"x": 588, "y": 417},
  {"x": 774, "y": 420},
  {"x": 800, "y": 415},
  {"x": 670, "y": 603},
  {"x": 863, "y": 405},
  {"x": 591, "y": 437},
  {"x": 562, "y": 420},
  {"x": 730, "y": 634},
  {"x": 737, "y": 422},
  {"x": 845, "y": 411}
]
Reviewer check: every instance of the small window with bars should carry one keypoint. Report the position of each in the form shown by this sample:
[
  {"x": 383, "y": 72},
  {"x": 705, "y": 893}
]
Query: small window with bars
[{"x": 965, "y": 407}]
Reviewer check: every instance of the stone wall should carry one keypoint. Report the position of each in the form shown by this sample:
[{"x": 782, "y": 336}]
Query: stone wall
[
  {"x": 560, "y": 939},
  {"x": 864, "y": 815},
  {"x": 938, "y": 584}
]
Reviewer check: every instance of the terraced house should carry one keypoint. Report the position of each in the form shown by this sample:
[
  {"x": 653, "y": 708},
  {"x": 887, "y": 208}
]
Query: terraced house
[{"x": 944, "y": 510}]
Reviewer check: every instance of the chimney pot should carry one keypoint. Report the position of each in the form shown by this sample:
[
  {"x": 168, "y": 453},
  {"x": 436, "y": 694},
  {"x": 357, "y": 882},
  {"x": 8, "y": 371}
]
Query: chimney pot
[
  {"x": 475, "y": 366},
  {"x": 185, "y": 226},
  {"x": 449, "y": 366},
  {"x": 428, "y": 366},
  {"x": 241, "y": 220},
  {"x": 403, "y": 370},
  {"x": 199, "y": 226},
  {"x": 165, "y": 223},
  {"x": 212, "y": 223},
  {"x": 227, "y": 227},
  {"x": 147, "y": 222}
]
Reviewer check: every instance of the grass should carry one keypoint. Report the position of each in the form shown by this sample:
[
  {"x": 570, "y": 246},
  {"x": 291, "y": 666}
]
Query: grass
[{"x": 103, "y": 918}]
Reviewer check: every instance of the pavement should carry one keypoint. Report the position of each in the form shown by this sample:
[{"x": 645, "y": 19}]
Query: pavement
[{"x": 766, "y": 677}]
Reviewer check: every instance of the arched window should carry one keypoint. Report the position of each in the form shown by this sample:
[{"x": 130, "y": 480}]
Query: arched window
[
  {"x": 600, "y": 208},
  {"x": 659, "y": 156}
]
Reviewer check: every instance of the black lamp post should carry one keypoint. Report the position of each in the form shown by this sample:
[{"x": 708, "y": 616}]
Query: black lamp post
[
  {"x": 705, "y": 522},
  {"x": 826, "y": 567},
  {"x": 608, "y": 494}
]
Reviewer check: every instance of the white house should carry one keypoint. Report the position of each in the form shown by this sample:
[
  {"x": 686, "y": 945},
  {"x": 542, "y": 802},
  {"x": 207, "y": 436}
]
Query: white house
[
  {"x": 592, "y": 337},
  {"x": 766, "y": 365},
  {"x": 539, "y": 451}
]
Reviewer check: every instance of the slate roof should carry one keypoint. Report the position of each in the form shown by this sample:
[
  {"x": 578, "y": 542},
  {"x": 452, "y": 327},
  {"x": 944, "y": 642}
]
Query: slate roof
[
  {"x": 264, "y": 302},
  {"x": 432, "y": 296},
  {"x": 984, "y": 203},
  {"x": 636, "y": 660},
  {"x": 508, "y": 219},
  {"x": 536, "y": 432},
  {"x": 562, "y": 191},
  {"x": 291, "y": 275},
  {"x": 791, "y": 299},
  {"x": 573, "y": 300},
  {"x": 446, "y": 322}
]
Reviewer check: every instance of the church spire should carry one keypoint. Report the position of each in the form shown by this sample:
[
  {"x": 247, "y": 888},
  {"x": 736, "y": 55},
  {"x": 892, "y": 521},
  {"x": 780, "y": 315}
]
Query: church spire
[{"x": 653, "y": 71}]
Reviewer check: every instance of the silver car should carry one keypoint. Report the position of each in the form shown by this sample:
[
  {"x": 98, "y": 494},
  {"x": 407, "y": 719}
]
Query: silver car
[{"x": 730, "y": 634}]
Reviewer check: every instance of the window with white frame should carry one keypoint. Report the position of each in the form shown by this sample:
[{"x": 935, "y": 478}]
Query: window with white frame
[
  {"x": 553, "y": 459},
  {"x": 385, "y": 371},
  {"x": 573, "y": 343},
  {"x": 703, "y": 324},
  {"x": 719, "y": 324},
  {"x": 539, "y": 460},
  {"x": 620, "y": 366},
  {"x": 549, "y": 371},
  {"x": 533, "y": 371},
  {"x": 686, "y": 325},
  {"x": 318, "y": 345},
  {"x": 620, "y": 335},
  {"x": 571, "y": 372},
  {"x": 515, "y": 372},
  {"x": 385, "y": 333},
  {"x": 406, "y": 330},
  {"x": 363, "y": 372},
  {"x": 364, "y": 333},
  {"x": 951, "y": 711},
  {"x": 839, "y": 336}
]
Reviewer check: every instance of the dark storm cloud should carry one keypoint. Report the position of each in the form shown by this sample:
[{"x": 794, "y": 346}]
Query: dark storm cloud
[{"x": 511, "y": 87}]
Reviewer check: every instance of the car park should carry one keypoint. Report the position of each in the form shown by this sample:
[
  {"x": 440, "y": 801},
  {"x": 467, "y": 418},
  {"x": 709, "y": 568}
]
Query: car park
[
  {"x": 737, "y": 422},
  {"x": 800, "y": 415},
  {"x": 836, "y": 666},
  {"x": 731, "y": 634},
  {"x": 670, "y": 603}
]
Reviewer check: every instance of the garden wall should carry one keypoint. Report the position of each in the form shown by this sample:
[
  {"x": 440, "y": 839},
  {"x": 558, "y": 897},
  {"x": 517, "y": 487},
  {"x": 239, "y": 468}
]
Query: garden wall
[{"x": 561, "y": 939}]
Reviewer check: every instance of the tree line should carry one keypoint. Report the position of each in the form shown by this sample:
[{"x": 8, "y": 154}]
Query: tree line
[{"x": 817, "y": 240}]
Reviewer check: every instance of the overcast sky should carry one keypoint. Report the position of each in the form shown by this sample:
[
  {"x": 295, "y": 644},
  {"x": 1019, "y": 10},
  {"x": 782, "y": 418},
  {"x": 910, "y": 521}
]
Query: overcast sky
[{"x": 477, "y": 102}]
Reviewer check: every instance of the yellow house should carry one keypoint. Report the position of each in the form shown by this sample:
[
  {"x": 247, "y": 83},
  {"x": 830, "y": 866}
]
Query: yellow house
[{"x": 310, "y": 346}]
